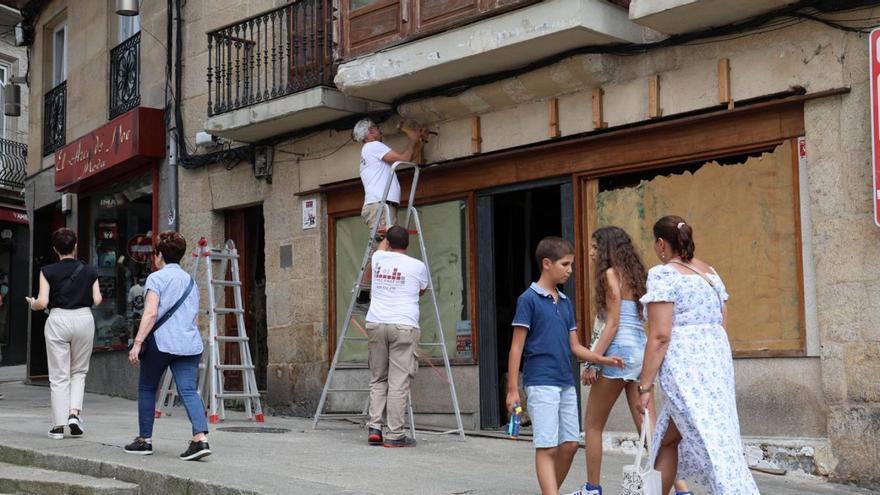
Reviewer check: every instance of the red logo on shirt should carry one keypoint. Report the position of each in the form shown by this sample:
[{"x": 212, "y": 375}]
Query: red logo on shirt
[{"x": 393, "y": 276}]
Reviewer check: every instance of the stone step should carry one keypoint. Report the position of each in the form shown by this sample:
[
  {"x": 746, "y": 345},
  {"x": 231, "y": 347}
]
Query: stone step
[{"x": 30, "y": 480}]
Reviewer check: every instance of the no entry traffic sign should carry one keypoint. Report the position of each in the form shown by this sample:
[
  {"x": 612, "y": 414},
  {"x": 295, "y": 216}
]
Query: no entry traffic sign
[{"x": 874, "y": 68}]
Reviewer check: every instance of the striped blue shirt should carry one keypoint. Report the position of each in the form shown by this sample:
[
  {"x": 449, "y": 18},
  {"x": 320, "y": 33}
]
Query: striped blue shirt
[{"x": 179, "y": 335}]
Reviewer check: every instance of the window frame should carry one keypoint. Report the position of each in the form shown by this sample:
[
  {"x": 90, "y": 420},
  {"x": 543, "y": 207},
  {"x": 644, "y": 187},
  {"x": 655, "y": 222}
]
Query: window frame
[{"x": 56, "y": 80}]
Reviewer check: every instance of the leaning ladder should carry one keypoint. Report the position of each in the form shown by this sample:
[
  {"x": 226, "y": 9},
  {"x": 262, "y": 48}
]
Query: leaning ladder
[
  {"x": 216, "y": 392},
  {"x": 412, "y": 217}
]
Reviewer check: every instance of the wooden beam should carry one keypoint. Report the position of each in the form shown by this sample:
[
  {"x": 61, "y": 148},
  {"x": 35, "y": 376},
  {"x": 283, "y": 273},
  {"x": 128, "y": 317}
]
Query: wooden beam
[
  {"x": 654, "y": 110},
  {"x": 598, "y": 111},
  {"x": 476, "y": 136},
  {"x": 724, "y": 82},
  {"x": 554, "y": 117}
]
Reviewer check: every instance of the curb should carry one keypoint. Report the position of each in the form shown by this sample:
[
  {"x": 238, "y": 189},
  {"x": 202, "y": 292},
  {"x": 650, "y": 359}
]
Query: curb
[{"x": 149, "y": 481}]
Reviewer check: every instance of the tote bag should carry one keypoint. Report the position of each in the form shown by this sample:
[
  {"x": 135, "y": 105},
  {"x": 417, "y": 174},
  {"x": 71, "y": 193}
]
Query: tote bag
[{"x": 639, "y": 480}]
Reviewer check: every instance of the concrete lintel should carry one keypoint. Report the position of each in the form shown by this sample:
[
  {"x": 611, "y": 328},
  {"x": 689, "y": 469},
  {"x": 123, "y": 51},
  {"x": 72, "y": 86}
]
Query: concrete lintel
[
  {"x": 682, "y": 16},
  {"x": 499, "y": 43},
  {"x": 297, "y": 111}
]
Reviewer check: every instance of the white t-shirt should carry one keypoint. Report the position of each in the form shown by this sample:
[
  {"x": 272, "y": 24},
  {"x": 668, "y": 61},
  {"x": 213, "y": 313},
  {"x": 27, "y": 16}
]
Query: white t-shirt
[
  {"x": 375, "y": 172},
  {"x": 397, "y": 281}
]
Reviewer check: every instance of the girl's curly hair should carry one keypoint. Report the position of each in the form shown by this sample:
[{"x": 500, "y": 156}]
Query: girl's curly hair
[{"x": 614, "y": 249}]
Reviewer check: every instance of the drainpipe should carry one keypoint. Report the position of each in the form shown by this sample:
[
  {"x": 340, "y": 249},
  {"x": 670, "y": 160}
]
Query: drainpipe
[{"x": 173, "y": 211}]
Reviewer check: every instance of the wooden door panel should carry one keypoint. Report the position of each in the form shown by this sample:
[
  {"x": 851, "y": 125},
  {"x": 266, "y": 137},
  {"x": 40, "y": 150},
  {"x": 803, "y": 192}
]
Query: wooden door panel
[
  {"x": 371, "y": 27},
  {"x": 433, "y": 14}
]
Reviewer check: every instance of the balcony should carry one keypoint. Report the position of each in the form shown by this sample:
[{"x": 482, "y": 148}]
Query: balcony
[
  {"x": 13, "y": 165},
  {"x": 273, "y": 73},
  {"x": 494, "y": 44},
  {"x": 125, "y": 71},
  {"x": 682, "y": 16},
  {"x": 54, "y": 118}
]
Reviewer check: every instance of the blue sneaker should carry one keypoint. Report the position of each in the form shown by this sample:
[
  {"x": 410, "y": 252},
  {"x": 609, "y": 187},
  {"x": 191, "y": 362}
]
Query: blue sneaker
[{"x": 588, "y": 489}]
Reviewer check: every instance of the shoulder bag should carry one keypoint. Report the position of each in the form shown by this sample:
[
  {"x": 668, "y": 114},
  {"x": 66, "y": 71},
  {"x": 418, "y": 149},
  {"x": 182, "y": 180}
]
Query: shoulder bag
[
  {"x": 168, "y": 313},
  {"x": 639, "y": 480}
]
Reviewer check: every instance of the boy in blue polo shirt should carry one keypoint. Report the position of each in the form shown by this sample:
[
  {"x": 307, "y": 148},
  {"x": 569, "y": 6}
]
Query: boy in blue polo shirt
[{"x": 545, "y": 333}]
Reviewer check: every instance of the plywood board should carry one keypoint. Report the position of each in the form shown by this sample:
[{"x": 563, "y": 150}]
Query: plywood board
[{"x": 745, "y": 225}]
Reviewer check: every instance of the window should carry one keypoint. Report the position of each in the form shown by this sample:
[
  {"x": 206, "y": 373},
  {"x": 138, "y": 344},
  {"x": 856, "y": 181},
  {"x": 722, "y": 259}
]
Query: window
[
  {"x": 749, "y": 234},
  {"x": 444, "y": 227},
  {"x": 59, "y": 55},
  {"x": 128, "y": 26}
]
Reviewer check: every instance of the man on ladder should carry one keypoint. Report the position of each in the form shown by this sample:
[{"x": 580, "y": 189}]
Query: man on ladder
[
  {"x": 393, "y": 336},
  {"x": 376, "y": 161}
]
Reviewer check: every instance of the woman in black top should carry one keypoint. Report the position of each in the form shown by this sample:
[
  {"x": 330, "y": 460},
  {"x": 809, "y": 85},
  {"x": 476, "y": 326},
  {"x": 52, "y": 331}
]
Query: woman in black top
[{"x": 69, "y": 288}]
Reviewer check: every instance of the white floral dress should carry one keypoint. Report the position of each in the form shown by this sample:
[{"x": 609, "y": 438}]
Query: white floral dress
[{"x": 697, "y": 377}]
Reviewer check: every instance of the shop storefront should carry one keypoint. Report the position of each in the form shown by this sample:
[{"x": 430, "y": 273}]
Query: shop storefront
[
  {"x": 733, "y": 174},
  {"x": 113, "y": 174},
  {"x": 13, "y": 283}
]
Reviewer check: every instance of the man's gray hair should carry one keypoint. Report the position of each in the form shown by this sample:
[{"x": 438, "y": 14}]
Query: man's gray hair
[{"x": 361, "y": 129}]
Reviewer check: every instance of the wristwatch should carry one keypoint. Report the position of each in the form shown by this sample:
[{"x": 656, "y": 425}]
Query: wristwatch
[{"x": 646, "y": 390}]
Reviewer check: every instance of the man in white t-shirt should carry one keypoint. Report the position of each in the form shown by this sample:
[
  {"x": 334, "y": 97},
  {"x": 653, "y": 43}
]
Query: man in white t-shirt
[
  {"x": 375, "y": 169},
  {"x": 393, "y": 331}
]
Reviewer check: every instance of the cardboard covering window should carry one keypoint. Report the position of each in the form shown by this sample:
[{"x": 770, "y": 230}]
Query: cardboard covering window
[
  {"x": 444, "y": 227},
  {"x": 745, "y": 223}
]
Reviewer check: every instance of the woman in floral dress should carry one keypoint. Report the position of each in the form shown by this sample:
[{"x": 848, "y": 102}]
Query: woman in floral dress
[{"x": 697, "y": 435}]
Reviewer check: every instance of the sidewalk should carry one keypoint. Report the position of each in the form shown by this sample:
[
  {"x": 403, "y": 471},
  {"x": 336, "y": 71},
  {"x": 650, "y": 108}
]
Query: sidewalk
[{"x": 332, "y": 460}]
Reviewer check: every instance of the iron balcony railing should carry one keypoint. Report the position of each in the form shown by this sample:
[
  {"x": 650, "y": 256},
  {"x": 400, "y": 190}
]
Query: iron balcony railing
[
  {"x": 270, "y": 55},
  {"x": 13, "y": 164},
  {"x": 125, "y": 71},
  {"x": 54, "y": 117}
]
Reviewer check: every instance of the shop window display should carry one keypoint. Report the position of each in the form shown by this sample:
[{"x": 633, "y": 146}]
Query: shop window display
[{"x": 121, "y": 247}]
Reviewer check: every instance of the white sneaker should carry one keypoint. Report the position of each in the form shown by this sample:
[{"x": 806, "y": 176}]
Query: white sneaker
[
  {"x": 584, "y": 491},
  {"x": 57, "y": 433}
]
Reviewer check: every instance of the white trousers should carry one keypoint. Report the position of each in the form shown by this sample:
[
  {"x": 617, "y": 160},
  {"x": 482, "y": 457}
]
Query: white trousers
[{"x": 69, "y": 339}]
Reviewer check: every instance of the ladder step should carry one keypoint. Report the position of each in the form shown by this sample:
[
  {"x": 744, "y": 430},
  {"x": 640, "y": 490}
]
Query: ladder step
[
  {"x": 223, "y": 256},
  {"x": 226, "y": 283},
  {"x": 230, "y": 338},
  {"x": 223, "y": 311},
  {"x": 339, "y": 390},
  {"x": 357, "y": 339},
  {"x": 235, "y": 395},
  {"x": 233, "y": 367}
]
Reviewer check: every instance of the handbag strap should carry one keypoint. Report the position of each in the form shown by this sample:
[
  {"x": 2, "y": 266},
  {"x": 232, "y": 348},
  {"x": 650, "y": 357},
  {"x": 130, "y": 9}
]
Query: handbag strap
[
  {"x": 703, "y": 276},
  {"x": 646, "y": 438},
  {"x": 67, "y": 283},
  {"x": 173, "y": 309}
]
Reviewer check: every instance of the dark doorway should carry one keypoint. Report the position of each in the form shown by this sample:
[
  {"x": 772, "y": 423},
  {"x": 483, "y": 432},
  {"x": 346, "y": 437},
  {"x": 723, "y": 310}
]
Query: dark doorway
[
  {"x": 14, "y": 281},
  {"x": 515, "y": 219},
  {"x": 245, "y": 227},
  {"x": 46, "y": 220}
]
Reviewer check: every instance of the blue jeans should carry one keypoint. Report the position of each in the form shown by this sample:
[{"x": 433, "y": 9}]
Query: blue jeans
[{"x": 185, "y": 370}]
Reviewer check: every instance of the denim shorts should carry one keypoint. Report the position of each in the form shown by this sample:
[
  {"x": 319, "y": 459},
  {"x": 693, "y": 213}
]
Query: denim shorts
[
  {"x": 554, "y": 414},
  {"x": 629, "y": 344}
]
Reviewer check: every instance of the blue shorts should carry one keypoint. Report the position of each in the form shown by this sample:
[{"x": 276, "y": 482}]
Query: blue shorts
[{"x": 554, "y": 414}]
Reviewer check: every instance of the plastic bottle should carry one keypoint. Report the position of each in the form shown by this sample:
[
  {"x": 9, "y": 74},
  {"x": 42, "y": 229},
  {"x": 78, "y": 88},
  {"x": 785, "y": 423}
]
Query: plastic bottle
[{"x": 515, "y": 421}]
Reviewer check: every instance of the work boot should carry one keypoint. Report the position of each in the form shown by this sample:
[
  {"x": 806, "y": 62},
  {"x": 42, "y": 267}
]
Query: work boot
[{"x": 399, "y": 442}]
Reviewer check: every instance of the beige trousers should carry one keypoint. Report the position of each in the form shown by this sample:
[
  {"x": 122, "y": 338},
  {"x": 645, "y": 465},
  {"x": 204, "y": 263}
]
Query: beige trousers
[
  {"x": 393, "y": 365},
  {"x": 69, "y": 339}
]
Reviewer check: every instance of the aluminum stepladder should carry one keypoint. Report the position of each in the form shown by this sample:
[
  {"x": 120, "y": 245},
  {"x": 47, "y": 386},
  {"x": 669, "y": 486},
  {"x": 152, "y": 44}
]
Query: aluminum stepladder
[
  {"x": 412, "y": 217},
  {"x": 214, "y": 368}
]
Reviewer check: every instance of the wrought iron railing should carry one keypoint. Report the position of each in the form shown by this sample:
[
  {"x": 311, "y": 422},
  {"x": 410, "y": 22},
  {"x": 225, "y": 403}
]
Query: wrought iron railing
[
  {"x": 54, "y": 117},
  {"x": 270, "y": 55},
  {"x": 125, "y": 71},
  {"x": 13, "y": 164}
]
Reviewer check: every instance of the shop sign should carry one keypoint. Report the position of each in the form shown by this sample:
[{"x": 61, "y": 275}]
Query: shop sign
[
  {"x": 874, "y": 58},
  {"x": 130, "y": 139},
  {"x": 140, "y": 248},
  {"x": 13, "y": 215}
]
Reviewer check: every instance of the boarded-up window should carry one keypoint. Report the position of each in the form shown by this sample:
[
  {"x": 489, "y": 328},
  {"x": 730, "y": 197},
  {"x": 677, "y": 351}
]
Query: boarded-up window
[
  {"x": 745, "y": 225},
  {"x": 444, "y": 228}
]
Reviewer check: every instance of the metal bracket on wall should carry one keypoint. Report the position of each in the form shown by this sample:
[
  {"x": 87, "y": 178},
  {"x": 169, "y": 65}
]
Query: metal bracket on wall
[{"x": 263, "y": 158}]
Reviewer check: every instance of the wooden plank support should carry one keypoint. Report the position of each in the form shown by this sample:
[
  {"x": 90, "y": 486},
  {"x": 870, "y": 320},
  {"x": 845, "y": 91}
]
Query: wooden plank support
[
  {"x": 476, "y": 136},
  {"x": 654, "y": 97},
  {"x": 554, "y": 117},
  {"x": 598, "y": 112},
  {"x": 724, "y": 83}
]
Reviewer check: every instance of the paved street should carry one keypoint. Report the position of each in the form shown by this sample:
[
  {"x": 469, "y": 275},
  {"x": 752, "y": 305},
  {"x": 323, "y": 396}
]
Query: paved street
[{"x": 331, "y": 460}]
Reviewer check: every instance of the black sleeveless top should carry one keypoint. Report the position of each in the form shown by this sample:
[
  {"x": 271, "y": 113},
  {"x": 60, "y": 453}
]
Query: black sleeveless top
[{"x": 79, "y": 293}]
